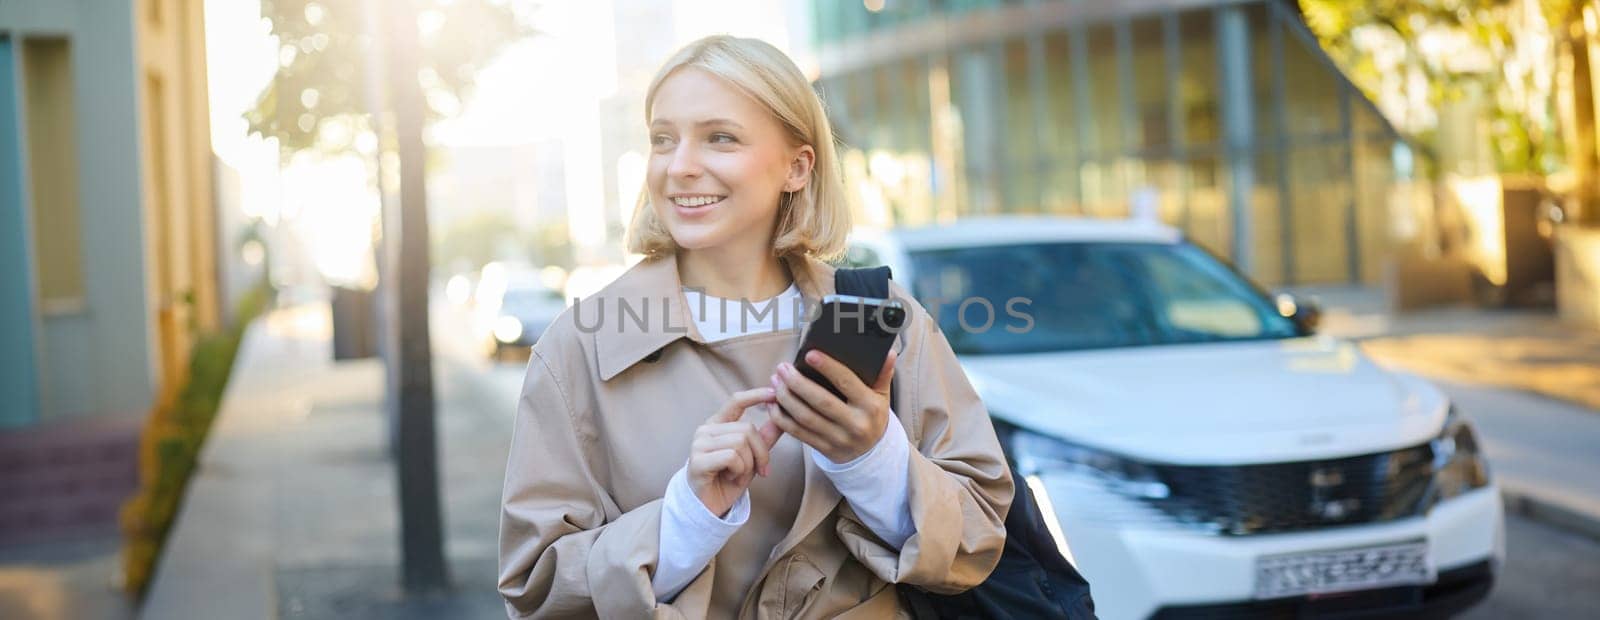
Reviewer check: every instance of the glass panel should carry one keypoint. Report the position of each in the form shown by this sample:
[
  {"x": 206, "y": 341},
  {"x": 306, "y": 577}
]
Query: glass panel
[
  {"x": 1021, "y": 141},
  {"x": 1312, "y": 94},
  {"x": 1207, "y": 216},
  {"x": 1262, "y": 77},
  {"x": 835, "y": 99},
  {"x": 880, "y": 130},
  {"x": 1374, "y": 183},
  {"x": 1161, "y": 190},
  {"x": 1104, "y": 94},
  {"x": 1060, "y": 149},
  {"x": 1365, "y": 122},
  {"x": 1150, "y": 87},
  {"x": 1267, "y": 223},
  {"x": 976, "y": 87},
  {"x": 1321, "y": 193},
  {"x": 1104, "y": 191},
  {"x": 1197, "y": 84}
]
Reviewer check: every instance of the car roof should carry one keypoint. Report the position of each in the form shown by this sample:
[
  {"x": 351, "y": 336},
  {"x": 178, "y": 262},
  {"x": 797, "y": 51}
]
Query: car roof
[{"x": 1006, "y": 230}]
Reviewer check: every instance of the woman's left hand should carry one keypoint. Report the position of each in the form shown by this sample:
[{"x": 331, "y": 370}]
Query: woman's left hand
[{"x": 840, "y": 429}]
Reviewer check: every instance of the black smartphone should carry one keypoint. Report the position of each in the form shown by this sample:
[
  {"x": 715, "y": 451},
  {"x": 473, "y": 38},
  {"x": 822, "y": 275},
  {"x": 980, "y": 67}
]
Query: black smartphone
[{"x": 857, "y": 331}]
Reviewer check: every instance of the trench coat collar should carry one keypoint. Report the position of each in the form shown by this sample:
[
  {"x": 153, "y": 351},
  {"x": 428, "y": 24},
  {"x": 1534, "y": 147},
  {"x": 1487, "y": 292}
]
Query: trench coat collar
[{"x": 653, "y": 284}]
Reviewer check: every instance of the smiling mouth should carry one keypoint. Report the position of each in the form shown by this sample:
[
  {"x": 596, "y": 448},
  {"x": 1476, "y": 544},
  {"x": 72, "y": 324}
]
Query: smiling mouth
[{"x": 696, "y": 202}]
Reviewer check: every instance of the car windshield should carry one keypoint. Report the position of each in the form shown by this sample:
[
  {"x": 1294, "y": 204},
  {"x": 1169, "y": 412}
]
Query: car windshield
[{"x": 1072, "y": 296}]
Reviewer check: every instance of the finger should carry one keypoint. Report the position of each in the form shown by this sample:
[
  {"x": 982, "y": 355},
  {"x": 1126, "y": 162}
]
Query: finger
[
  {"x": 758, "y": 449},
  {"x": 807, "y": 418},
  {"x": 839, "y": 375},
  {"x": 734, "y": 408},
  {"x": 787, "y": 424},
  {"x": 821, "y": 400},
  {"x": 728, "y": 461},
  {"x": 770, "y": 432},
  {"x": 738, "y": 442},
  {"x": 886, "y": 376},
  {"x": 746, "y": 433}
]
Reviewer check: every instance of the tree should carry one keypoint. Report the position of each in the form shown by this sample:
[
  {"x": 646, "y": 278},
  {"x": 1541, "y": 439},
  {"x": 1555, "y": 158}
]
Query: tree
[
  {"x": 383, "y": 69},
  {"x": 316, "y": 100},
  {"x": 1502, "y": 48}
]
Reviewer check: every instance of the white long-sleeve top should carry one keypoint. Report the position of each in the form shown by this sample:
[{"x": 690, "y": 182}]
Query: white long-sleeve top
[{"x": 874, "y": 483}]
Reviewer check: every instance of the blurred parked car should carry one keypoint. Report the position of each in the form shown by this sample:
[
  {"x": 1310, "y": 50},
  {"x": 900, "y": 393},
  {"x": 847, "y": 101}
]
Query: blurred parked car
[
  {"x": 1201, "y": 452},
  {"x": 517, "y": 317}
]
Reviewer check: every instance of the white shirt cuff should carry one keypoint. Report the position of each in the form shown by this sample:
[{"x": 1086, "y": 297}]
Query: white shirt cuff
[
  {"x": 876, "y": 483},
  {"x": 690, "y": 535}
]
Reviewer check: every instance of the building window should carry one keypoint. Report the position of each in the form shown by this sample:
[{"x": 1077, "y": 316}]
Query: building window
[{"x": 53, "y": 174}]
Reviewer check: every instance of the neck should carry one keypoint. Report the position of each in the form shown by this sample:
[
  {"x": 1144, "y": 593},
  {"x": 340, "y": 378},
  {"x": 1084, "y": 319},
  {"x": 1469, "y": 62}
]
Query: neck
[{"x": 721, "y": 272}]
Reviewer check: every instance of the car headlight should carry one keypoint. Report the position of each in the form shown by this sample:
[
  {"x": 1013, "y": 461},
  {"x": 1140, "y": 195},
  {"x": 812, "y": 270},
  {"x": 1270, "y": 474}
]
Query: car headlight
[
  {"x": 1034, "y": 453},
  {"x": 507, "y": 329},
  {"x": 1458, "y": 463}
]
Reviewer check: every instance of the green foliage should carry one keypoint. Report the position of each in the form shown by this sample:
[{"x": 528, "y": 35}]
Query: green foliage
[
  {"x": 485, "y": 236},
  {"x": 1515, "y": 79},
  {"x": 318, "y": 99},
  {"x": 172, "y": 439}
]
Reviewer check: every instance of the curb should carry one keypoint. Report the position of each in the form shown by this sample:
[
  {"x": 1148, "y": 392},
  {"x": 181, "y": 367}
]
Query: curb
[{"x": 1552, "y": 513}]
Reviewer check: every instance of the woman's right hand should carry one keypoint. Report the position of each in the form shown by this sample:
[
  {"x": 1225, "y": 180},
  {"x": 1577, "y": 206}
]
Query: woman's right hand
[{"x": 727, "y": 453}]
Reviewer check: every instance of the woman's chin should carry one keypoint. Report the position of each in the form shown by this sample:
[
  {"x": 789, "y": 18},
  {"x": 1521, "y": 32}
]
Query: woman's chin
[{"x": 696, "y": 237}]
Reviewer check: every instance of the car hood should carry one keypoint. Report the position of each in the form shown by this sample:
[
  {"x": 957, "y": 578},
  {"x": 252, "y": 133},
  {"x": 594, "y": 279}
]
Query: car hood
[{"x": 1225, "y": 403}]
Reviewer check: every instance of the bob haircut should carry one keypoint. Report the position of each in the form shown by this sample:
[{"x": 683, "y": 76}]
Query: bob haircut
[{"x": 813, "y": 221}]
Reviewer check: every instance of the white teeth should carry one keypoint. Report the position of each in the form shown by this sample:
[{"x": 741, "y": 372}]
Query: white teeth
[{"x": 696, "y": 201}]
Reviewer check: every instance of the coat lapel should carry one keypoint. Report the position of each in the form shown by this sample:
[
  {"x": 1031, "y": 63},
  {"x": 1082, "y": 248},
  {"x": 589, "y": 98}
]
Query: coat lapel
[{"x": 651, "y": 285}]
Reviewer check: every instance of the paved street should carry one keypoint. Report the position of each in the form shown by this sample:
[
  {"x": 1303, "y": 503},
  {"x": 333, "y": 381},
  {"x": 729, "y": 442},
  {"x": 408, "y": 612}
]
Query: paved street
[
  {"x": 293, "y": 512},
  {"x": 1549, "y": 573},
  {"x": 1536, "y": 444}
]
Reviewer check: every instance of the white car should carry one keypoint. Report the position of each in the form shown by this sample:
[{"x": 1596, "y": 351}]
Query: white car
[{"x": 1203, "y": 453}]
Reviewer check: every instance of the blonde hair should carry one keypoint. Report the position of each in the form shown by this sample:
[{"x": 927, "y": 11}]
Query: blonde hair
[{"x": 813, "y": 221}]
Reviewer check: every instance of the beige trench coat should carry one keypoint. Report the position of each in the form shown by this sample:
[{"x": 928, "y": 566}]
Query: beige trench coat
[{"x": 605, "y": 419}]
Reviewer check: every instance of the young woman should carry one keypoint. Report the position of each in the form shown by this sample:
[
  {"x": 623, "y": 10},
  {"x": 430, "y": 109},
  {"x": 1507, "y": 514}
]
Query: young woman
[{"x": 668, "y": 461}]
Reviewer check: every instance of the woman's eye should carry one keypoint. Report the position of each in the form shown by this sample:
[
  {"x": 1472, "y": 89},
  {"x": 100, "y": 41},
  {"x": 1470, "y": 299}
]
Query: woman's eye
[
  {"x": 660, "y": 139},
  {"x": 723, "y": 138}
]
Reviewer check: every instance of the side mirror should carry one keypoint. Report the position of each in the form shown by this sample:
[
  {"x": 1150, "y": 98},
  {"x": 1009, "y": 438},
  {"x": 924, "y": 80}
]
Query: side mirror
[{"x": 1302, "y": 310}]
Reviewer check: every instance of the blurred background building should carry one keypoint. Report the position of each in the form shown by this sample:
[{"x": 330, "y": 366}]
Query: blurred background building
[
  {"x": 1223, "y": 118},
  {"x": 107, "y": 242}
]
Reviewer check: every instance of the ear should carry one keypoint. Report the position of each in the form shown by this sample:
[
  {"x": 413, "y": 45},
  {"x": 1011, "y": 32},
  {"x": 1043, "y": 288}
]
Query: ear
[{"x": 800, "y": 168}]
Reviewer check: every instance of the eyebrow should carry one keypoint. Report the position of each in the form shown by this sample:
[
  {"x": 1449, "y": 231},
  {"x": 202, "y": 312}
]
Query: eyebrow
[{"x": 710, "y": 122}]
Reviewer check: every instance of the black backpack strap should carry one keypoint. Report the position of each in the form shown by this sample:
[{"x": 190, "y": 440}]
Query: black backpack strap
[{"x": 863, "y": 282}]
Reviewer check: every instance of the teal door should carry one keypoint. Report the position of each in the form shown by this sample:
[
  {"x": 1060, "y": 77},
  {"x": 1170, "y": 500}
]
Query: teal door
[{"x": 19, "y": 377}]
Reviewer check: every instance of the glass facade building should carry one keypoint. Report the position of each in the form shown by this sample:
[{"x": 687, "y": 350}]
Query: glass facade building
[{"x": 1222, "y": 118}]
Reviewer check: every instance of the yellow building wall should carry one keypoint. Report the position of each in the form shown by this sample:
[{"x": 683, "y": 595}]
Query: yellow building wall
[{"x": 178, "y": 205}]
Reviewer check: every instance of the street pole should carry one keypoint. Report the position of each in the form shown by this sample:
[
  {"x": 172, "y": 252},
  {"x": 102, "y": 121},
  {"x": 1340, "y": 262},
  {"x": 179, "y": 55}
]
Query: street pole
[{"x": 416, "y": 461}]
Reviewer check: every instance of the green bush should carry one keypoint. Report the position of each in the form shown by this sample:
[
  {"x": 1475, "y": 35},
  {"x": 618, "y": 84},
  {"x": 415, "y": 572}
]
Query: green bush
[{"x": 170, "y": 444}]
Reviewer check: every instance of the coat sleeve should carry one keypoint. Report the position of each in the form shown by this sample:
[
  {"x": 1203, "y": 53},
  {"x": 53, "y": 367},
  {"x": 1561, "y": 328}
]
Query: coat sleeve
[
  {"x": 566, "y": 549},
  {"x": 959, "y": 486}
]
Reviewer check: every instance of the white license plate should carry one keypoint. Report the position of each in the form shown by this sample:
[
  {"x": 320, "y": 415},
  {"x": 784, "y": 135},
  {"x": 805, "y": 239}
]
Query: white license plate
[{"x": 1343, "y": 570}]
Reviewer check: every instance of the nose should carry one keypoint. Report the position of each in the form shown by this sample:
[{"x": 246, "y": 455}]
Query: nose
[{"x": 685, "y": 163}]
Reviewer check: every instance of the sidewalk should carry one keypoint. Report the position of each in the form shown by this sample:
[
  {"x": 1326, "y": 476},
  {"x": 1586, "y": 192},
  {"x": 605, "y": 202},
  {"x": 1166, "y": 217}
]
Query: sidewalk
[
  {"x": 1530, "y": 383},
  {"x": 293, "y": 511}
]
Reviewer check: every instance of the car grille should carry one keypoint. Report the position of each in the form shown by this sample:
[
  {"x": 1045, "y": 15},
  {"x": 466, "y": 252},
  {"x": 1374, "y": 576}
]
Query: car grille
[{"x": 1285, "y": 497}]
